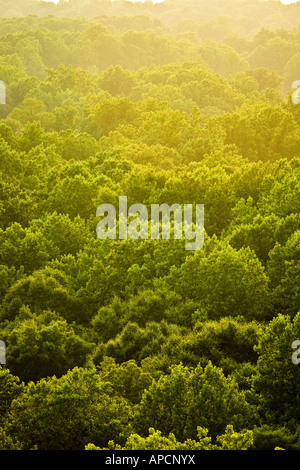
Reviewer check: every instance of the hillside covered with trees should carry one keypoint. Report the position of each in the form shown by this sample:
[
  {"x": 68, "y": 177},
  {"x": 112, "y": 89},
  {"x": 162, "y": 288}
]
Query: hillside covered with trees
[{"x": 140, "y": 343}]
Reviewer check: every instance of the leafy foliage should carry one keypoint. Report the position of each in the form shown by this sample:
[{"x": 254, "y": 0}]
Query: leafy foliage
[{"x": 142, "y": 344}]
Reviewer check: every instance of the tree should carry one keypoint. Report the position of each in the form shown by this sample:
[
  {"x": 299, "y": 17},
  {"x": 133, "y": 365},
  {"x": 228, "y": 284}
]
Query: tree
[
  {"x": 286, "y": 182},
  {"x": 134, "y": 342},
  {"x": 29, "y": 111},
  {"x": 67, "y": 413},
  {"x": 222, "y": 59},
  {"x": 66, "y": 235},
  {"x": 18, "y": 205},
  {"x": 23, "y": 247},
  {"x": 265, "y": 78},
  {"x": 227, "y": 343},
  {"x": 32, "y": 133},
  {"x": 230, "y": 440},
  {"x": 127, "y": 378},
  {"x": 45, "y": 289},
  {"x": 117, "y": 81},
  {"x": 43, "y": 345},
  {"x": 262, "y": 131},
  {"x": 274, "y": 54},
  {"x": 277, "y": 377},
  {"x": 10, "y": 388},
  {"x": 73, "y": 196},
  {"x": 284, "y": 274},
  {"x": 262, "y": 234},
  {"x": 28, "y": 49},
  {"x": 190, "y": 398},
  {"x": 107, "y": 115},
  {"x": 223, "y": 282}
]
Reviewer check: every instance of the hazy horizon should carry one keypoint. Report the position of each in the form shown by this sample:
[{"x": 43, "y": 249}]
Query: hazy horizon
[{"x": 286, "y": 2}]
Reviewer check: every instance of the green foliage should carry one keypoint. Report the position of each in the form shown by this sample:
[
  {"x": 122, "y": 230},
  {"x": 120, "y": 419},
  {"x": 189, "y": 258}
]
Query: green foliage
[
  {"x": 78, "y": 408},
  {"x": 10, "y": 388},
  {"x": 283, "y": 269},
  {"x": 277, "y": 378},
  {"x": 269, "y": 437},
  {"x": 226, "y": 343},
  {"x": 43, "y": 345},
  {"x": 190, "y": 398},
  {"x": 230, "y": 440},
  {"x": 143, "y": 344},
  {"x": 128, "y": 379},
  {"x": 134, "y": 342},
  {"x": 223, "y": 282}
]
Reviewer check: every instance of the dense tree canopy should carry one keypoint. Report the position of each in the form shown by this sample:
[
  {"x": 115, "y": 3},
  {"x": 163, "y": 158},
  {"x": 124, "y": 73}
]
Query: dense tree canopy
[{"x": 141, "y": 343}]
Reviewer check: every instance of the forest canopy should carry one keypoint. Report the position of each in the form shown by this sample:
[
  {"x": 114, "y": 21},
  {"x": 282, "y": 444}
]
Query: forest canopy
[{"x": 179, "y": 102}]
